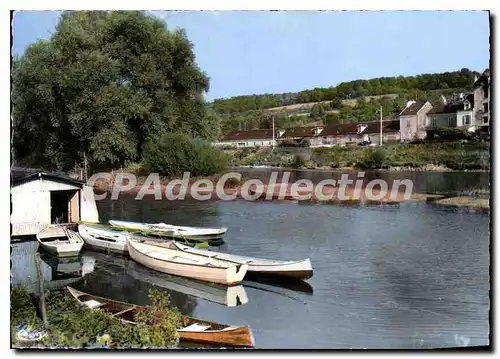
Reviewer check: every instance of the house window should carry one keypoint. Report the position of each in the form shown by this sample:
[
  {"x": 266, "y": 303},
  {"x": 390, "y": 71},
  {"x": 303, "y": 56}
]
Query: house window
[
  {"x": 433, "y": 122},
  {"x": 466, "y": 119},
  {"x": 408, "y": 123},
  {"x": 451, "y": 121},
  {"x": 466, "y": 105},
  {"x": 241, "y": 144}
]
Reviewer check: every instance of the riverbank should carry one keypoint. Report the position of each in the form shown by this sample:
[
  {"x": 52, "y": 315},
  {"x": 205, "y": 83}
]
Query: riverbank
[
  {"x": 441, "y": 157},
  {"x": 465, "y": 202},
  {"x": 71, "y": 325},
  {"x": 237, "y": 190}
]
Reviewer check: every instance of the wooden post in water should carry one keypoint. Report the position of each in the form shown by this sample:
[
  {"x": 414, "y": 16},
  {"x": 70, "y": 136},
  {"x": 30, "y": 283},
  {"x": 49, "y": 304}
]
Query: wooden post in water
[{"x": 41, "y": 298}]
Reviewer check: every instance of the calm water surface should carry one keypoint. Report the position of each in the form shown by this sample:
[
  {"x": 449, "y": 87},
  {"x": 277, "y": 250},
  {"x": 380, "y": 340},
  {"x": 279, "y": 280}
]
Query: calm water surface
[{"x": 404, "y": 276}]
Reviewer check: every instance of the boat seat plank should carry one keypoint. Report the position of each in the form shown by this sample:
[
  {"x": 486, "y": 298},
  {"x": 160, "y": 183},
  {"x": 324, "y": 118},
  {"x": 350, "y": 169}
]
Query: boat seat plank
[
  {"x": 196, "y": 327},
  {"x": 161, "y": 256},
  {"x": 93, "y": 304},
  {"x": 124, "y": 311}
]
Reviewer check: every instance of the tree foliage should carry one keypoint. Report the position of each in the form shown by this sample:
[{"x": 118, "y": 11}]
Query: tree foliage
[
  {"x": 347, "y": 102},
  {"x": 176, "y": 153},
  {"x": 104, "y": 85},
  {"x": 71, "y": 324},
  {"x": 463, "y": 78}
]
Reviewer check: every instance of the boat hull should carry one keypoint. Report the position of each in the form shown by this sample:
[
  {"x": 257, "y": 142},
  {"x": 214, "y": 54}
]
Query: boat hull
[
  {"x": 231, "y": 275},
  {"x": 233, "y": 336},
  {"x": 103, "y": 239},
  {"x": 211, "y": 235},
  {"x": 257, "y": 266},
  {"x": 225, "y": 336},
  {"x": 298, "y": 270},
  {"x": 60, "y": 241}
]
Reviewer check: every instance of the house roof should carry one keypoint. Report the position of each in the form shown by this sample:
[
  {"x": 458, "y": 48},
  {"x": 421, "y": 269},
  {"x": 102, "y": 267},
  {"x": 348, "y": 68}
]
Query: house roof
[
  {"x": 249, "y": 135},
  {"x": 299, "y": 132},
  {"x": 452, "y": 107},
  {"x": 340, "y": 129},
  {"x": 387, "y": 126},
  {"x": 19, "y": 174},
  {"x": 413, "y": 108},
  {"x": 346, "y": 129},
  {"x": 483, "y": 79},
  {"x": 444, "y": 108},
  {"x": 470, "y": 98}
]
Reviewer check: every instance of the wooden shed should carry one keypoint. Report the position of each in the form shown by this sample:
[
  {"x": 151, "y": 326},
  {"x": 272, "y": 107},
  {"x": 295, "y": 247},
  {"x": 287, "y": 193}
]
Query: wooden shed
[{"x": 40, "y": 198}]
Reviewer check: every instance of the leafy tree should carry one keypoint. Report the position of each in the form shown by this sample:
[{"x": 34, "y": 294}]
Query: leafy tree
[
  {"x": 418, "y": 86},
  {"x": 102, "y": 86}
]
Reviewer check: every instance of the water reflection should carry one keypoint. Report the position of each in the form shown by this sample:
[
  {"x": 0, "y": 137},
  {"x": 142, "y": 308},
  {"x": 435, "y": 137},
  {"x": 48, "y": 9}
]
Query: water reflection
[
  {"x": 56, "y": 272},
  {"x": 112, "y": 279},
  {"x": 424, "y": 182},
  {"x": 407, "y": 276},
  {"x": 229, "y": 296}
]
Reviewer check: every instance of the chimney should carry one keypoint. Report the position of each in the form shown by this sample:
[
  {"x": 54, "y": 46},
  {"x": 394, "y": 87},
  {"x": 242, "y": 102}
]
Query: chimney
[
  {"x": 361, "y": 128},
  {"x": 409, "y": 103}
]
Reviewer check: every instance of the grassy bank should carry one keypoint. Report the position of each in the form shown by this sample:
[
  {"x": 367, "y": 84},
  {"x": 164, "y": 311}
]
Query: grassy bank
[
  {"x": 478, "y": 197},
  {"x": 448, "y": 156},
  {"x": 71, "y": 325}
]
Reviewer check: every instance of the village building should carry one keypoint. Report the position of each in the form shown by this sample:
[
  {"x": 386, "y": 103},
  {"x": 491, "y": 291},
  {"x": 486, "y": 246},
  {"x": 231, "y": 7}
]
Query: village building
[
  {"x": 456, "y": 114},
  {"x": 465, "y": 113},
  {"x": 482, "y": 101},
  {"x": 252, "y": 138},
  {"x": 413, "y": 120},
  {"x": 299, "y": 135},
  {"x": 344, "y": 134},
  {"x": 40, "y": 198}
]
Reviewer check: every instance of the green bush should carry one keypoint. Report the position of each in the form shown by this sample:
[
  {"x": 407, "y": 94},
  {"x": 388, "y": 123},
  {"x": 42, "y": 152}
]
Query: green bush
[
  {"x": 176, "y": 153},
  {"x": 74, "y": 325},
  {"x": 449, "y": 134},
  {"x": 373, "y": 159}
]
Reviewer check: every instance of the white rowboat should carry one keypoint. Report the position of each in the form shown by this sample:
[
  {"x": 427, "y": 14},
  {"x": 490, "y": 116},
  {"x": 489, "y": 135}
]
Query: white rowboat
[
  {"x": 111, "y": 240},
  {"x": 195, "y": 233},
  {"x": 164, "y": 257},
  {"x": 301, "y": 269},
  {"x": 60, "y": 241}
]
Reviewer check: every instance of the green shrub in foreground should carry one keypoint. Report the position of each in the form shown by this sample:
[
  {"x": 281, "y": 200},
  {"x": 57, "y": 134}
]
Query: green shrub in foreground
[{"x": 74, "y": 325}]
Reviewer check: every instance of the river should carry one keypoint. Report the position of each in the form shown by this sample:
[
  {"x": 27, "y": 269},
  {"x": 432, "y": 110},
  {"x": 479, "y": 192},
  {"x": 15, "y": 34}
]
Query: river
[{"x": 402, "y": 276}]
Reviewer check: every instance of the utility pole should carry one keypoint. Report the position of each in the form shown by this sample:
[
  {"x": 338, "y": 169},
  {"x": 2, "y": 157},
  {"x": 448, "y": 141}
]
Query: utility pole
[
  {"x": 380, "y": 125},
  {"x": 273, "y": 133}
]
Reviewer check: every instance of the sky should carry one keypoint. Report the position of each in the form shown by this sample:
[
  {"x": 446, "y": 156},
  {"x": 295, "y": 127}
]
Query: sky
[{"x": 256, "y": 52}]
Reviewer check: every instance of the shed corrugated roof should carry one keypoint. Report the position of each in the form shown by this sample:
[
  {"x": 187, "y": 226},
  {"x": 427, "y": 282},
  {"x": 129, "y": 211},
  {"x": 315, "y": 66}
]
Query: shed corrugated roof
[{"x": 18, "y": 174}]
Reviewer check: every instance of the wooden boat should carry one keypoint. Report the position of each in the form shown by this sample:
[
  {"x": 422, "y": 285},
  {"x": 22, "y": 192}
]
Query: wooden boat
[
  {"x": 212, "y": 235},
  {"x": 101, "y": 238},
  {"x": 301, "y": 269},
  {"x": 166, "y": 258},
  {"x": 230, "y": 296},
  {"x": 190, "y": 329},
  {"x": 60, "y": 241},
  {"x": 109, "y": 230}
]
